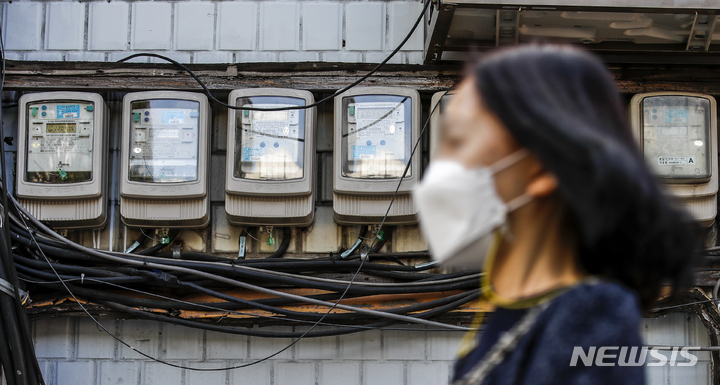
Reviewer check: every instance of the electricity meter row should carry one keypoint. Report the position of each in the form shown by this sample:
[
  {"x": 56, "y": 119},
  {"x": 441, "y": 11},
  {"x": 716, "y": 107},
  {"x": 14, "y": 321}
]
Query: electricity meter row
[{"x": 270, "y": 172}]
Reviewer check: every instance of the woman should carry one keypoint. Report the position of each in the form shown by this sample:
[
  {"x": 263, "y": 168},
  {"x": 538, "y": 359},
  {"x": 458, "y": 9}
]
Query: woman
[{"x": 538, "y": 175}]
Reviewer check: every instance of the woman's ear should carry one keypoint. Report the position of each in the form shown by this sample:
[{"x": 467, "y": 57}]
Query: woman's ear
[{"x": 542, "y": 185}]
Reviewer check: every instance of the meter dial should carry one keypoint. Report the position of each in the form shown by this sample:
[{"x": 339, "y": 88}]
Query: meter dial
[
  {"x": 269, "y": 145},
  {"x": 164, "y": 141},
  {"x": 676, "y": 133},
  {"x": 59, "y": 141},
  {"x": 376, "y": 136}
]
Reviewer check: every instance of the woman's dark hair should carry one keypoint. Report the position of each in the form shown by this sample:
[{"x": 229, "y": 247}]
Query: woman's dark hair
[{"x": 561, "y": 104}]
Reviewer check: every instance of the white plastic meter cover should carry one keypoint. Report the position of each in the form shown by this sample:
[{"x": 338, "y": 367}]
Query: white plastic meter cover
[
  {"x": 62, "y": 152},
  {"x": 376, "y": 136},
  {"x": 676, "y": 137},
  {"x": 164, "y": 141},
  {"x": 269, "y": 145},
  {"x": 59, "y": 144}
]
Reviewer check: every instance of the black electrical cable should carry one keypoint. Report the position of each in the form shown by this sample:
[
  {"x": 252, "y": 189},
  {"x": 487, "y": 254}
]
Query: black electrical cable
[
  {"x": 12, "y": 328},
  {"x": 386, "y": 237},
  {"x": 319, "y": 102},
  {"x": 324, "y": 263},
  {"x": 44, "y": 275},
  {"x": 286, "y": 235},
  {"x": 5, "y": 357},
  {"x": 70, "y": 268},
  {"x": 16, "y": 230},
  {"x": 172, "y": 304},
  {"x": 683, "y": 305},
  {"x": 26, "y": 369},
  {"x": 139, "y": 242},
  {"x": 360, "y": 239},
  {"x": 161, "y": 245},
  {"x": 236, "y": 271},
  {"x": 162, "y": 361},
  {"x": 214, "y": 306},
  {"x": 198, "y": 257},
  {"x": 234, "y": 283},
  {"x": 239, "y": 303},
  {"x": 246, "y": 303},
  {"x": 231, "y": 269},
  {"x": 235, "y": 330},
  {"x": 365, "y": 327}
]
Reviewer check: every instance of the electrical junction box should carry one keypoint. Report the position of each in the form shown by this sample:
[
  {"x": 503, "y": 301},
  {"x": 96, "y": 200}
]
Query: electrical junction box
[
  {"x": 375, "y": 131},
  {"x": 270, "y": 167},
  {"x": 62, "y": 152},
  {"x": 165, "y": 165},
  {"x": 677, "y": 132},
  {"x": 438, "y": 103}
]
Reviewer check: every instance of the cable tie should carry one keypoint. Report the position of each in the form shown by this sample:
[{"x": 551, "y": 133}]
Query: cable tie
[
  {"x": 7, "y": 288},
  {"x": 426, "y": 264},
  {"x": 132, "y": 247},
  {"x": 82, "y": 278},
  {"x": 351, "y": 249},
  {"x": 364, "y": 250}
]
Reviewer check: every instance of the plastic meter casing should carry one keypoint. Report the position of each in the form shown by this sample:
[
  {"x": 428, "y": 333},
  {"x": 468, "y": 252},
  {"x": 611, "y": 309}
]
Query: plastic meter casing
[
  {"x": 62, "y": 152},
  {"x": 438, "y": 103},
  {"x": 375, "y": 130},
  {"x": 270, "y": 159},
  {"x": 165, "y": 164},
  {"x": 677, "y": 132}
]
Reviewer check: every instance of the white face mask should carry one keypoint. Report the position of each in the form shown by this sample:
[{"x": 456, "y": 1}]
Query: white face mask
[{"x": 460, "y": 210}]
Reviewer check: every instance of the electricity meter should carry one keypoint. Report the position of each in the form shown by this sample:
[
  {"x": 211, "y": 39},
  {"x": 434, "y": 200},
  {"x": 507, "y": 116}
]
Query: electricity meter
[
  {"x": 375, "y": 131},
  {"x": 165, "y": 151},
  {"x": 438, "y": 103},
  {"x": 62, "y": 150},
  {"x": 678, "y": 135},
  {"x": 270, "y": 169}
]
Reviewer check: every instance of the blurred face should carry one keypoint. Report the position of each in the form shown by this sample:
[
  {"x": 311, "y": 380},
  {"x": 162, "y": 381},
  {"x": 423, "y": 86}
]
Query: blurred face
[{"x": 474, "y": 136}]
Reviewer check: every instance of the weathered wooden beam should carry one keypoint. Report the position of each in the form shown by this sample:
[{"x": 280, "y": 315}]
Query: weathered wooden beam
[
  {"x": 133, "y": 76},
  {"x": 62, "y": 304},
  {"x": 706, "y": 278},
  {"x": 319, "y": 77}
]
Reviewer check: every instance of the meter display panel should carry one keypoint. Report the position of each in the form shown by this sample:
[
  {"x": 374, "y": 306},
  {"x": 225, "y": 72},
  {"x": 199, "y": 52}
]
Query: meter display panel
[
  {"x": 59, "y": 141},
  {"x": 164, "y": 141},
  {"x": 376, "y": 136},
  {"x": 269, "y": 145},
  {"x": 676, "y": 136}
]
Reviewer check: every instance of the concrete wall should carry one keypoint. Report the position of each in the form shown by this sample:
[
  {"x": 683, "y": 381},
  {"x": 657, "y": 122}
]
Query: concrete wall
[
  {"x": 212, "y": 31},
  {"x": 73, "y": 351}
]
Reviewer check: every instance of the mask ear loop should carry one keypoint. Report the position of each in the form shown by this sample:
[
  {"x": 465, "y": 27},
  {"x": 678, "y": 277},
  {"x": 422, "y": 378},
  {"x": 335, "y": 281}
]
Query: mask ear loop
[
  {"x": 518, "y": 202},
  {"x": 508, "y": 161}
]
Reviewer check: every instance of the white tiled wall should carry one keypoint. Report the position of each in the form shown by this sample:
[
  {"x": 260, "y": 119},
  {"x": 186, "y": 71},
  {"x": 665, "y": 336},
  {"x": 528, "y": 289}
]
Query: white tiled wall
[
  {"x": 74, "y": 351},
  {"x": 212, "y": 31}
]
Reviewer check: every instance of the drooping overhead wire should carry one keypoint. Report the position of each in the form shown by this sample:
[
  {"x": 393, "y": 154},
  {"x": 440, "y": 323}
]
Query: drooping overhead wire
[{"x": 319, "y": 102}]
